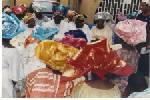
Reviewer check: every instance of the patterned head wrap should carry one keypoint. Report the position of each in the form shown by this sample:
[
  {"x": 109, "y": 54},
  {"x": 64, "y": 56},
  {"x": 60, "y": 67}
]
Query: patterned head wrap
[
  {"x": 11, "y": 26},
  {"x": 103, "y": 15}
]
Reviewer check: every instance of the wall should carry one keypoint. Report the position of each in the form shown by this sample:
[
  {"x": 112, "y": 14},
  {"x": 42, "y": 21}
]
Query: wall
[
  {"x": 115, "y": 6},
  {"x": 87, "y": 7},
  {"x": 8, "y": 2},
  {"x": 64, "y": 2},
  {"x": 27, "y": 2}
]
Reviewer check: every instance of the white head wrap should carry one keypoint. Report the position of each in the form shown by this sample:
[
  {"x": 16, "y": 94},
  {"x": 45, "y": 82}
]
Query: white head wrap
[{"x": 103, "y": 15}]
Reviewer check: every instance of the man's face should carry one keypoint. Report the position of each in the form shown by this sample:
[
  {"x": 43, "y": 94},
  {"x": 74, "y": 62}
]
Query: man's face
[
  {"x": 100, "y": 24},
  {"x": 143, "y": 6},
  {"x": 57, "y": 19},
  {"x": 79, "y": 23}
]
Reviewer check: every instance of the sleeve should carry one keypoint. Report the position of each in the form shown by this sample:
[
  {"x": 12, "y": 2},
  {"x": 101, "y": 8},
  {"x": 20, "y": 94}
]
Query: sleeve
[
  {"x": 88, "y": 34},
  {"x": 16, "y": 69}
]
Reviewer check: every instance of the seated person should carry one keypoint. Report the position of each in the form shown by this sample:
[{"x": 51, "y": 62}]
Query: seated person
[{"x": 103, "y": 27}]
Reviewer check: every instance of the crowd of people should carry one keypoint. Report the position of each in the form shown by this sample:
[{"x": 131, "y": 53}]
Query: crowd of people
[{"x": 64, "y": 57}]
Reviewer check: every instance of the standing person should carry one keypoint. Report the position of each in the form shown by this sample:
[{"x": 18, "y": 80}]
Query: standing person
[
  {"x": 144, "y": 48},
  {"x": 145, "y": 16},
  {"x": 103, "y": 27},
  {"x": 12, "y": 66}
]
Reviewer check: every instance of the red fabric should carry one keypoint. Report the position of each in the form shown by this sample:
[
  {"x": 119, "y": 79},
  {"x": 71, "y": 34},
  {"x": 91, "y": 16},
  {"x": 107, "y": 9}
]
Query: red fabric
[
  {"x": 75, "y": 42},
  {"x": 100, "y": 59}
]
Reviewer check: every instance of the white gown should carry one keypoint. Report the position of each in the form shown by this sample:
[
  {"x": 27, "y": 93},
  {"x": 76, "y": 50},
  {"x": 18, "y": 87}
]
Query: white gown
[
  {"x": 62, "y": 26},
  {"x": 12, "y": 69},
  {"x": 30, "y": 62},
  {"x": 105, "y": 32}
]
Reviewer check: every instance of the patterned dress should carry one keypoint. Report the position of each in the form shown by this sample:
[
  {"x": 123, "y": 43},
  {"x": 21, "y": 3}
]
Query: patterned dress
[{"x": 43, "y": 83}]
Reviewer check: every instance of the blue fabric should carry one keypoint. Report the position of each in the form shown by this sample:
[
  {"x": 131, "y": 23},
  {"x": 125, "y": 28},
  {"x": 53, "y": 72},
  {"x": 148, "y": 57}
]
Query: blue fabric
[
  {"x": 91, "y": 25},
  {"x": 77, "y": 34},
  {"x": 11, "y": 26},
  {"x": 116, "y": 39},
  {"x": 43, "y": 33},
  {"x": 62, "y": 9},
  {"x": 132, "y": 15}
]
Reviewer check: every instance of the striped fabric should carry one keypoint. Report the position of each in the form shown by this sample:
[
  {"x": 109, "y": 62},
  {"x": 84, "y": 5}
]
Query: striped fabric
[{"x": 43, "y": 83}]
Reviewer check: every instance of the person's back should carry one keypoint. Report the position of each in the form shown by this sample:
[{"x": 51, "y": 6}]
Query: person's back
[{"x": 96, "y": 89}]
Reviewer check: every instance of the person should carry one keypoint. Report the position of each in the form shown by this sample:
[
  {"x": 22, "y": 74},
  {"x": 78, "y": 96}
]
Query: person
[
  {"x": 143, "y": 48},
  {"x": 144, "y": 16},
  {"x": 103, "y": 27},
  {"x": 58, "y": 20},
  {"x": 89, "y": 59},
  {"x": 12, "y": 66},
  {"x": 136, "y": 83},
  {"x": 80, "y": 25},
  {"x": 48, "y": 82}
]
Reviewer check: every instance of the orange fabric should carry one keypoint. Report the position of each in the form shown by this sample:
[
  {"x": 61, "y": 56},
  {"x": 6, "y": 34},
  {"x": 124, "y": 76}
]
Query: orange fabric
[
  {"x": 30, "y": 40},
  {"x": 43, "y": 83}
]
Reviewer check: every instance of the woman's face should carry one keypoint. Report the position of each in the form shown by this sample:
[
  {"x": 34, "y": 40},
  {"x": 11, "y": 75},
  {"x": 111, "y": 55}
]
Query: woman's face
[{"x": 100, "y": 24}]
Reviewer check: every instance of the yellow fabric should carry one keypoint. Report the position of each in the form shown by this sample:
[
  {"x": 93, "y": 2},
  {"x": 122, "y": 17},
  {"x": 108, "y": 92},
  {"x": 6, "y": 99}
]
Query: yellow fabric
[
  {"x": 55, "y": 54},
  {"x": 83, "y": 90}
]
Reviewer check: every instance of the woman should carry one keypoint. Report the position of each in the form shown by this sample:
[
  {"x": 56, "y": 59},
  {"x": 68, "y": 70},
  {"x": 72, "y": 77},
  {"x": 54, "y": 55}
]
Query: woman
[
  {"x": 103, "y": 27},
  {"x": 100, "y": 60},
  {"x": 48, "y": 82},
  {"x": 12, "y": 66}
]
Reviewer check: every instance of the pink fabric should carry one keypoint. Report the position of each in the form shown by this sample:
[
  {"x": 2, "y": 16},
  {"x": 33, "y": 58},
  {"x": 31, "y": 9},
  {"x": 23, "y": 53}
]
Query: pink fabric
[
  {"x": 75, "y": 42},
  {"x": 19, "y": 10},
  {"x": 131, "y": 31}
]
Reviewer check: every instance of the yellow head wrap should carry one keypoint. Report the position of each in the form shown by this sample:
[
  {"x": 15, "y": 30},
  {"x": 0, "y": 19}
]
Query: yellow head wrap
[{"x": 55, "y": 54}]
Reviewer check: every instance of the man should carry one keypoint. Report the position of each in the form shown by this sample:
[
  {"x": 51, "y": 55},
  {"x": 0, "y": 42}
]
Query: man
[{"x": 143, "y": 48}]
